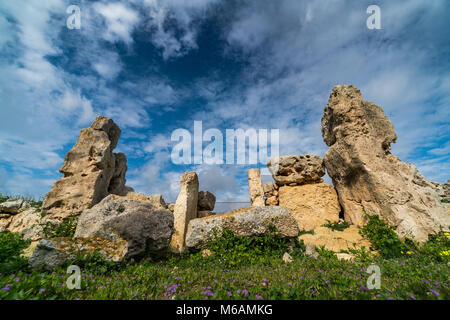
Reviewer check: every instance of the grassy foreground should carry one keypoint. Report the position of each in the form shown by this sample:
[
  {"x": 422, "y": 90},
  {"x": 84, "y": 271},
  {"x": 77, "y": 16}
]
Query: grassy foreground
[{"x": 242, "y": 268}]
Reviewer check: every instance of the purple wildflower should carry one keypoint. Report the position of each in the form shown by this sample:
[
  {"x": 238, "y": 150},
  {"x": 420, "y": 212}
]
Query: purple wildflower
[{"x": 435, "y": 292}]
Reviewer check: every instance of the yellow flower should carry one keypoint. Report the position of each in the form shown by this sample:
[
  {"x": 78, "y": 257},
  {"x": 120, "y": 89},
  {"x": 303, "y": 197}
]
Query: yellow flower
[
  {"x": 401, "y": 252},
  {"x": 409, "y": 252}
]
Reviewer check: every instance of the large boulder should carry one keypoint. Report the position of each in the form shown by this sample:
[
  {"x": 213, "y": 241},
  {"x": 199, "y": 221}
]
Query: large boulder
[
  {"x": 142, "y": 225},
  {"x": 20, "y": 216},
  {"x": 206, "y": 201},
  {"x": 312, "y": 205},
  {"x": 48, "y": 254},
  {"x": 91, "y": 172},
  {"x": 368, "y": 178},
  {"x": 300, "y": 169},
  {"x": 155, "y": 199},
  {"x": 245, "y": 222},
  {"x": 28, "y": 223},
  {"x": 185, "y": 210},
  {"x": 13, "y": 206},
  {"x": 255, "y": 188}
]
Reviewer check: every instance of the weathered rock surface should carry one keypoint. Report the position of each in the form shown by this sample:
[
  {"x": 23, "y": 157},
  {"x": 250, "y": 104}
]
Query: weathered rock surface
[
  {"x": 335, "y": 240},
  {"x": 142, "y": 225},
  {"x": 20, "y": 216},
  {"x": 311, "y": 251},
  {"x": 91, "y": 172},
  {"x": 206, "y": 201},
  {"x": 250, "y": 222},
  {"x": 204, "y": 213},
  {"x": 367, "y": 177},
  {"x": 269, "y": 188},
  {"x": 255, "y": 188},
  {"x": 14, "y": 206},
  {"x": 310, "y": 204},
  {"x": 48, "y": 254},
  {"x": 287, "y": 258},
  {"x": 185, "y": 210},
  {"x": 298, "y": 169},
  {"x": 155, "y": 199},
  {"x": 28, "y": 223},
  {"x": 272, "y": 201},
  {"x": 443, "y": 191}
]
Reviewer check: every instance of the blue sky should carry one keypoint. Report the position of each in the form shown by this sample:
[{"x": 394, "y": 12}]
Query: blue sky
[{"x": 158, "y": 65}]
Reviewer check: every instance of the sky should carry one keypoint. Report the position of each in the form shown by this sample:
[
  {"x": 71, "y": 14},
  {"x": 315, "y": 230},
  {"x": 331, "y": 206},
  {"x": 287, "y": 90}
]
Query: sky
[{"x": 155, "y": 66}]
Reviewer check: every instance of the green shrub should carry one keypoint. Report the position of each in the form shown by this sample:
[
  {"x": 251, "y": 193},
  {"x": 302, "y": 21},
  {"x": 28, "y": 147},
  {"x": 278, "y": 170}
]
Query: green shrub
[
  {"x": 383, "y": 237},
  {"x": 3, "y": 198},
  {"x": 326, "y": 254},
  {"x": 64, "y": 229},
  {"x": 229, "y": 250},
  {"x": 11, "y": 245},
  {"x": 93, "y": 262},
  {"x": 437, "y": 247},
  {"x": 336, "y": 226},
  {"x": 302, "y": 232}
]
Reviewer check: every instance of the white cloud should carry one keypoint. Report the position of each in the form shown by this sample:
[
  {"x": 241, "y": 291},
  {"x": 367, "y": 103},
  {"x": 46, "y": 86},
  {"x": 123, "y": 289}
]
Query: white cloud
[
  {"x": 108, "y": 65},
  {"x": 120, "y": 21}
]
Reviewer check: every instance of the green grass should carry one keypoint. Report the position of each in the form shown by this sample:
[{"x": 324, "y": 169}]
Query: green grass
[
  {"x": 251, "y": 270},
  {"x": 241, "y": 268},
  {"x": 11, "y": 245},
  {"x": 182, "y": 278}
]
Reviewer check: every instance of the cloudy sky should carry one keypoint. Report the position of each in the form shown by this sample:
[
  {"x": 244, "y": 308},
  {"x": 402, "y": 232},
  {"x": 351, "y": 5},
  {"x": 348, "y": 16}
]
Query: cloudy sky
[{"x": 155, "y": 66}]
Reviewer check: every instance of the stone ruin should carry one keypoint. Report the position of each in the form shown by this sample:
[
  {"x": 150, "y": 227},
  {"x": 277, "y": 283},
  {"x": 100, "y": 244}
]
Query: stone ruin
[
  {"x": 91, "y": 172},
  {"x": 367, "y": 179}
]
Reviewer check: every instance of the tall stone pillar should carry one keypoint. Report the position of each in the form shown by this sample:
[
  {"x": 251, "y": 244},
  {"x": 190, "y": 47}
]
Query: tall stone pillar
[
  {"x": 255, "y": 188},
  {"x": 185, "y": 209}
]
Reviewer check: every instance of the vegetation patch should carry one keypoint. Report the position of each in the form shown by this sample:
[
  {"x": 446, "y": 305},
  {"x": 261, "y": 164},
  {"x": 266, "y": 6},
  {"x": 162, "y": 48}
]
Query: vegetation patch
[
  {"x": 337, "y": 226},
  {"x": 11, "y": 245},
  {"x": 65, "y": 229},
  {"x": 243, "y": 268},
  {"x": 302, "y": 232}
]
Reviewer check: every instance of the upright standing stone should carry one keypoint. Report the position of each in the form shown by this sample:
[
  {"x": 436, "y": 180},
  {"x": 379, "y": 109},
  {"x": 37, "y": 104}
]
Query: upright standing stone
[
  {"x": 255, "y": 188},
  {"x": 185, "y": 209},
  {"x": 367, "y": 177},
  {"x": 91, "y": 172}
]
